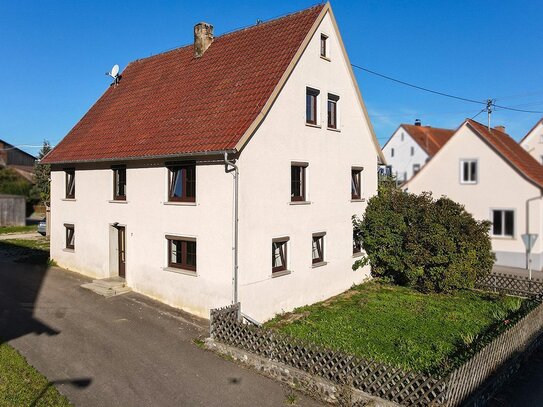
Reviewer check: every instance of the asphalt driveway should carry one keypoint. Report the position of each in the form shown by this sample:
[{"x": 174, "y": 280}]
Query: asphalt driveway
[{"x": 121, "y": 351}]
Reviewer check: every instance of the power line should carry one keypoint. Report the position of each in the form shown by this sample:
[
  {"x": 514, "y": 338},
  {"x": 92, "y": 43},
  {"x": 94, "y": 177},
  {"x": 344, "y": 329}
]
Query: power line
[{"x": 435, "y": 92}]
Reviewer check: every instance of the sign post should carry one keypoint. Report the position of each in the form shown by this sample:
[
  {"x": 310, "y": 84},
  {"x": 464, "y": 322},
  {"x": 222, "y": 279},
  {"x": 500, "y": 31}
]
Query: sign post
[{"x": 529, "y": 241}]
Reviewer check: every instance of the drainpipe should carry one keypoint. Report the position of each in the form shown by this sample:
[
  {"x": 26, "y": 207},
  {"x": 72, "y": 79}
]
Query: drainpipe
[
  {"x": 234, "y": 168},
  {"x": 529, "y": 250}
]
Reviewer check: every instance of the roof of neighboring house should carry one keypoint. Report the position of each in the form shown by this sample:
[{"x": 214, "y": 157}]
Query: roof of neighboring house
[
  {"x": 430, "y": 139},
  {"x": 511, "y": 151},
  {"x": 530, "y": 132},
  {"x": 5, "y": 145},
  {"x": 173, "y": 103}
]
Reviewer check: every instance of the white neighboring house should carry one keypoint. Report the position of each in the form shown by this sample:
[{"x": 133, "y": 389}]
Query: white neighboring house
[
  {"x": 143, "y": 187},
  {"x": 495, "y": 179},
  {"x": 533, "y": 141},
  {"x": 411, "y": 146}
]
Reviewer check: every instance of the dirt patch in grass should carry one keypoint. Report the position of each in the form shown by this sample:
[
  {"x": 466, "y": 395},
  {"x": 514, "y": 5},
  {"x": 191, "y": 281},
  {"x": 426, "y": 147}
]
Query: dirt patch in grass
[{"x": 401, "y": 326}]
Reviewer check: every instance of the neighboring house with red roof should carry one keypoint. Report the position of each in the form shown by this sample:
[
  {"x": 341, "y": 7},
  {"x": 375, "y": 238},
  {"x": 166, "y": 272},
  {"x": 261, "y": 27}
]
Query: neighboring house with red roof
[
  {"x": 533, "y": 141},
  {"x": 496, "y": 179},
  {"x": 143, "y": 187},
  {"x": 411, "y": 146}
]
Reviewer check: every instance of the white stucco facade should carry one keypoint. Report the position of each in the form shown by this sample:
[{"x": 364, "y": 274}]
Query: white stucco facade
[
  {"x": 533, "y": 142},
  {"x": 402, "y": 153},
  {"x": 499, "y": 186},
  {"x": 265, "y": 209}
]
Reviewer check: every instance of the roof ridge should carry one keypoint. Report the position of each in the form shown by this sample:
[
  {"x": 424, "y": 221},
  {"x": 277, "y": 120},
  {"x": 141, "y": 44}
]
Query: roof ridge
[{"x": 235, "y": 30}]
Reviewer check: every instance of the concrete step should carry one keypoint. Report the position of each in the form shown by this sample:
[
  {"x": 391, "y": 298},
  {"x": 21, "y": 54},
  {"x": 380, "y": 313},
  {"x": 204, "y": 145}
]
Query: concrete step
[{"x": 108, "y": 287}]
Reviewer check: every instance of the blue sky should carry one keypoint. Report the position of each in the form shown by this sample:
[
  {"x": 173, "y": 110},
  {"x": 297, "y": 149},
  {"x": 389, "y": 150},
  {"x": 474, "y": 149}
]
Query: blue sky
[{"x": 55, "y": 54}]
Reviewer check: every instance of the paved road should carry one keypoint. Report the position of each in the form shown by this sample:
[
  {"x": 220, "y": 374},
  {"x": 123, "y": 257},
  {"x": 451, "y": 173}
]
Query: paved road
[{"x": 121, "y": 351}]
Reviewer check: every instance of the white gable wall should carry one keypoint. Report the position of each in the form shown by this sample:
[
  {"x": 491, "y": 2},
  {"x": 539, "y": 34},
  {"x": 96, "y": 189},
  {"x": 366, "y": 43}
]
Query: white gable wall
[
  {"x": 266, "y": 211},
  {"x": 533, "y": 143},
  {"x": 402, "y": 162},
  {"x": 499, "y": 186}
]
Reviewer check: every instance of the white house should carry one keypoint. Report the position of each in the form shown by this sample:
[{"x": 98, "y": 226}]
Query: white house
[
  {"x": 144, "y": 185},
  {"x": 496, "y": 179},
  {"x": 411, "y": 146},
  {"x": 533, "y": 141}
]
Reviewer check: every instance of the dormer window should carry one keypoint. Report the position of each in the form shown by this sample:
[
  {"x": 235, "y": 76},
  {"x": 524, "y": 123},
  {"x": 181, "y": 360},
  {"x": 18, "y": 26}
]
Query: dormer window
[{"x": 324, "y": 46}]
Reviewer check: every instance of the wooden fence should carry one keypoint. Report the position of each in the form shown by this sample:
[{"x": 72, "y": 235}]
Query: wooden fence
[
  {"x": 463, "y": 386},
  {"x": 512, "y": 285}
]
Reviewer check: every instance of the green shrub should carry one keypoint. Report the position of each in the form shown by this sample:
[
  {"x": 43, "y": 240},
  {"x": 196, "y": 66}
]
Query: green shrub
[{"x": 417, "y": 241}]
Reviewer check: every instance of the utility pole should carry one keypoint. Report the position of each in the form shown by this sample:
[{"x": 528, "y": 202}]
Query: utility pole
[{"x": 489, "y": 103}]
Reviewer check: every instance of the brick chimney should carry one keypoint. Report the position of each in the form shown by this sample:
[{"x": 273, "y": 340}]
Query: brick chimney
[
  {"x": 500, "y": 128},
  {"x": 203, "y": 37}
]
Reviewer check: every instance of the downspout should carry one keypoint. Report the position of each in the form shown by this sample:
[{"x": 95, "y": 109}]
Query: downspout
[
  {"x": 529, "y": 249},
  {"x": 234, "y": 168}
]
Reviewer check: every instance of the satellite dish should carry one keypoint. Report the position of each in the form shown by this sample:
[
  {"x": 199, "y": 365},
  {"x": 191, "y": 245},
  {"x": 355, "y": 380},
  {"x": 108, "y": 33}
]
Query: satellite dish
[{"x": 115, "y": 70}]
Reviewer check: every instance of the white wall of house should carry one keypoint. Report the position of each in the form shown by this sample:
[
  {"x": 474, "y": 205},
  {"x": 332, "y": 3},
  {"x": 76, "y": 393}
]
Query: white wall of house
[
  {"x": 402, "y": 152},
  {"x": 533, "y": 142},
  {"x": 266, "y": 211},
  {"x": 148, "y": 218},
  {"x": 499, "y": 186}
]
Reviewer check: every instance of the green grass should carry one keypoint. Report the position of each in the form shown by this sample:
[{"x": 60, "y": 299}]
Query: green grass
[
  {"x": 34, "y": 251},
  {"x": 41, "y": 243},
  {"x": 401, "y": 326},
  {"x": 22, "y": 385},
  {"x": 18, "y": 229}
]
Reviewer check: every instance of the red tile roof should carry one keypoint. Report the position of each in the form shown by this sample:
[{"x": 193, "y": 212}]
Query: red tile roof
[
  {"x": 511, "y": 151},
  {"x": 173, "y": 103},
  {"x": 430, "y": 139}
]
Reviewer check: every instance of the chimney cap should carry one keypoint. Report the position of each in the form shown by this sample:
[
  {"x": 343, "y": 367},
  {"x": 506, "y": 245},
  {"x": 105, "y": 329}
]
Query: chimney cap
[{"x": 418, "y": 122}]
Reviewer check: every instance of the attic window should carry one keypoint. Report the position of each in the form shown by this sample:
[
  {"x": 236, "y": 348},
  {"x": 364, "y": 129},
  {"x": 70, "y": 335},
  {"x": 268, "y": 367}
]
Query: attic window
[
  {"x": 311, "y": 105},
  {"x": 324, "y": 46}
]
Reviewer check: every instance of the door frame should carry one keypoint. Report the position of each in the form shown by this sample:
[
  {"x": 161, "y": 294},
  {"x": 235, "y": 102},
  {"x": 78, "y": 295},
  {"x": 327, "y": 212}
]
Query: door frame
[{"x": 121, "y": 251}]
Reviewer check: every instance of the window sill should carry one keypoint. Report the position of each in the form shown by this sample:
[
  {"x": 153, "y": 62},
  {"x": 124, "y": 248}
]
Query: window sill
[
  {"x": 317, "y": 126},
  {"x": 68, "y": 250},
  {"x": 359, "y": 254},
  {"x": 326, "y": 58},
  {"x": 180, "y": 203},
  {"x": 358, "y": 200},
  {"x": 68, "y": 199},
  {"x": 181, "y": 271},
  {"x": 299, "y": 203},
  {"x": 118, "y": 201},
  {"x": 332, "y": 129},
  {"x": 319, "y": 264},
  {"x": 281, "y": 273},
  {"x": 468, "y": 183},
  {"x": 503, "y": 237}
]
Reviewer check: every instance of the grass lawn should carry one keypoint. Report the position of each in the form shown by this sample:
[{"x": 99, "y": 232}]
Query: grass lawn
[
  {"x": 22, "y": 385},
  {"x": 402, "y": 326},
  {"x": 35, "y": 251},
  {"x": 18, "y": 229}
]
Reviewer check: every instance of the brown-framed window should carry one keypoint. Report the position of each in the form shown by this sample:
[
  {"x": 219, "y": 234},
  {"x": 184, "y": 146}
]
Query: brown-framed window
[
  {"x": 298, "y": 181},
  {"x": 324, "y": 46},
  {"x": 356, "y": 183},
  {"x": 357, "y": 241},
  {"x": 182, "y": 183},
  {"x": 70, "y": 236},
  {"x": 332, "y": 111},
  {"x": 182, "y": 252},
  {"x": 311, "y": 103},
  {"x": 317, "y": 248},
  {"x": 70, "y": 183},
  {"x": 119, "y": 183},
  {"x": 279, "y": 254}
]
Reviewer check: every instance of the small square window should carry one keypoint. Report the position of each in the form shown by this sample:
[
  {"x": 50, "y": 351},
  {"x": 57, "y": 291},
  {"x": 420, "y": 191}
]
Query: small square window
[
  {"x": 324, "y": 46},
  {"x": 279, "y": 254},
  {"x": 468, "y": 171},
  {"x": 311, "y": 105},
  {"x": 119, "y": 183},
  {"x": 317, "y": 248},
  {"x": 503, "y": 223},
  {"x": 70, "y": 236},
  {"x": 182, "y": 183},
  {"x": 181, "y": 253},
  {"x": 298, "y": 182},
  {"x": 356, "y": 183},
  {"x": 70, "y": 183}
]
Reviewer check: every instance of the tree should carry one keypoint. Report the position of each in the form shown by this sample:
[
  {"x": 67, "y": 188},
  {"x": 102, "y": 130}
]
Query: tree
[
  {"x": 42, "y": 177},
  {"x": 421, "y": 242}
]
